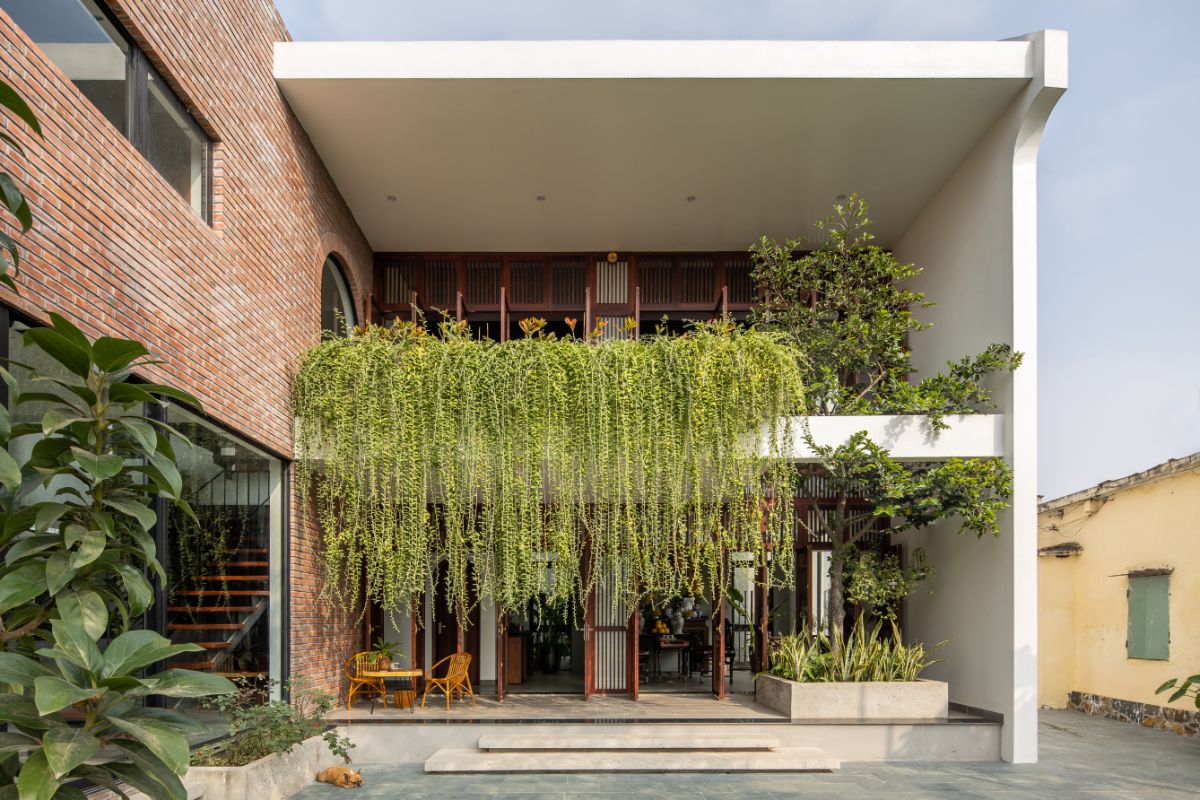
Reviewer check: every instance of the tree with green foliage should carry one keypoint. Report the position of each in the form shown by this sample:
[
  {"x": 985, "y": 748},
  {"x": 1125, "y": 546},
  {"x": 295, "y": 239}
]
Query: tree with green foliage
[
  {"x": 75, "y": 550},
  {"x": 847, "y": 306}
]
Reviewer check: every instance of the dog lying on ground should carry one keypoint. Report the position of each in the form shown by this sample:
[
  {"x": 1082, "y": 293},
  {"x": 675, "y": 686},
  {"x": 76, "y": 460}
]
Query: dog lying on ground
[{"x": 340, "y": 776}]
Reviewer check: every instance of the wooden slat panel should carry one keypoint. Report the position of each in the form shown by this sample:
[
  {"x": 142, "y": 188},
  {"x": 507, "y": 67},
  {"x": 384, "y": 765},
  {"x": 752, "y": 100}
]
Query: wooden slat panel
[
  {"x": 439, "y": 283},
  {"x": 654, "y": 278},
  {"x": 737, "y": 278},
  {"x": 696, "y": 281},
  {"x": 527, "y": 282},
  {"x": 399, "y": 280},
  {"x": 483, "y": 282},
  {"x": 568, "y": 281}
]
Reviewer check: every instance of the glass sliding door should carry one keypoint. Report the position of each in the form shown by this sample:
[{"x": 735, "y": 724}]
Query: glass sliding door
[{"x": 224, "y": 577}]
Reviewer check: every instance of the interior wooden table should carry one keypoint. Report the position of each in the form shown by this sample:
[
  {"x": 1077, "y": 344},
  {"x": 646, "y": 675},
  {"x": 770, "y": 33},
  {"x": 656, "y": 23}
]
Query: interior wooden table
[{"x": 405, "y": 697}]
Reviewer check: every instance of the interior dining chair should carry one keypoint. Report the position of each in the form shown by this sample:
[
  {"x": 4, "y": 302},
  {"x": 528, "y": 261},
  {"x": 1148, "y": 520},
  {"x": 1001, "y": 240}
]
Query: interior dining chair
[
  {"x": 354, "y": 667},
  {"x": 456, "y": 679}
]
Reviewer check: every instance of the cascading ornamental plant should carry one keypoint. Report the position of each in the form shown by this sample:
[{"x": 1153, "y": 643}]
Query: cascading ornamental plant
[{"x": 645, "y": 463}]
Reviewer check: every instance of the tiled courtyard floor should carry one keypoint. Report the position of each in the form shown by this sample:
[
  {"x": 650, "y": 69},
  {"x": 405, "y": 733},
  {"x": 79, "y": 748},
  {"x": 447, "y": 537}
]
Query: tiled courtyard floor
[{"x": 1081, "y": 757}]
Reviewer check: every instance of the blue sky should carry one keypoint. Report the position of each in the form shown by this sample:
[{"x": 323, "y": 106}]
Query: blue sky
[{"x": 1119, "y": 287}]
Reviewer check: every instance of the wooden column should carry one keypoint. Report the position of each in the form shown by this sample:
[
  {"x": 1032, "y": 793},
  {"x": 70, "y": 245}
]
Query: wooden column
[
  {"x": 718, "y": 645},
  {"x": 417, "y": 619},
  {"x": 762, "y": 633},
  {"x": 501, "y": 652}
]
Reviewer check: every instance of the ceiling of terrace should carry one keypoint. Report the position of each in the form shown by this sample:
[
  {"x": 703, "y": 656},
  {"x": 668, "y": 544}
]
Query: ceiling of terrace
[{"x": 475, "y": 163}]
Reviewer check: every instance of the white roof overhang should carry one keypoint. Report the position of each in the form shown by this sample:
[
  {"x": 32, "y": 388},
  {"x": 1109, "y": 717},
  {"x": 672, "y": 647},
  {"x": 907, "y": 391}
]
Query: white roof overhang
[{"x": 447, "y": 146}]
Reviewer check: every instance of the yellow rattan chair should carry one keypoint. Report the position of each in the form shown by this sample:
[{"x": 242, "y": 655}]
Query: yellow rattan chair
[
  {"x": 354, "y": 667},
  {"x": 456, "y": 679}
]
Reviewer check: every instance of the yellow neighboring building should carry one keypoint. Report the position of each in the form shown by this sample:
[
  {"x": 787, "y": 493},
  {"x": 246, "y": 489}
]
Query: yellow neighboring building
[{"x": 1119, "y": 596}]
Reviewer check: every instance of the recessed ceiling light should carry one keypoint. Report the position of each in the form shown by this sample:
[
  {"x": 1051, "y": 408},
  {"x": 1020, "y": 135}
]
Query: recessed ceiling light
[
  {"x": 541, "y": 198},
  {"x": 691, "y": 198},
  {"x": 391, "y": 197}
]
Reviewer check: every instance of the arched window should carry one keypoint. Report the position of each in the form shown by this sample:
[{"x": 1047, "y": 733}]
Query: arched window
[{"x": 337, "y": 306}]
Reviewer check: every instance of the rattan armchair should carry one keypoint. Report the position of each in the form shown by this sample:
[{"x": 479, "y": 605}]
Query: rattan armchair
[
  {"x": 354, "y": 667},
  {"x": 456, "y": 679}
]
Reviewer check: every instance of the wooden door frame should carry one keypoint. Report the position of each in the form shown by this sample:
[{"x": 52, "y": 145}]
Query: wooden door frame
[
  {"x": 718, "y": 645},
  {"x": 501, "y": 652}
]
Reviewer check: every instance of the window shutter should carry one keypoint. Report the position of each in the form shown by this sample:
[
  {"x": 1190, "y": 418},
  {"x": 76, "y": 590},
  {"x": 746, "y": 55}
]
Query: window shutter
[{"x": 1149, "y": 628}]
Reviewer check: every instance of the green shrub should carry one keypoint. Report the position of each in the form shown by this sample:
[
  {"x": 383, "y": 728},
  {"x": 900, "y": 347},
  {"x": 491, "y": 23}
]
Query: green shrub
[
  {"x": 862, "y": 655},
  {"x": 258, "y": 727}
]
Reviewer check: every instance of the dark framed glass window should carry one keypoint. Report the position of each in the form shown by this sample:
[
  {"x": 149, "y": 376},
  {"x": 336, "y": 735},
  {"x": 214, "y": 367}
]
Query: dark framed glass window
[
  {"x": 87, "y": 44},
  {"x": 337, "y": 305}
]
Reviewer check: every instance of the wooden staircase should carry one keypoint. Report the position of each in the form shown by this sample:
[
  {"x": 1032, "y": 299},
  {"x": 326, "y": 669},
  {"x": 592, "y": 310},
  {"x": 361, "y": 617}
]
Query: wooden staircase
[{"x": 221, "y": 612}]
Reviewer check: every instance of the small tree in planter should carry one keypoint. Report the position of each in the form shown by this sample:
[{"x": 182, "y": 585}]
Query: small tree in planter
[{"x": 845, "y": 305}]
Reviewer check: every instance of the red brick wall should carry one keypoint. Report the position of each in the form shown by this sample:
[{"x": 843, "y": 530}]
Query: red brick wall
[{"x": 227, "y": 306}]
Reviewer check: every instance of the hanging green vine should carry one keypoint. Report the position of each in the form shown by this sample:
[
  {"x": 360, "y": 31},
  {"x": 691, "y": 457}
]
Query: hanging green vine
[{"x": 648, "y": 461}]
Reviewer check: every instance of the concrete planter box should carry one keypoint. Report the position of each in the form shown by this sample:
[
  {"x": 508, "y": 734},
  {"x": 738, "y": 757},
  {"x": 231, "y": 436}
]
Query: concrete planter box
[
  {"x": 273, "y": 777},
  {"x": 898, "y": 700}
]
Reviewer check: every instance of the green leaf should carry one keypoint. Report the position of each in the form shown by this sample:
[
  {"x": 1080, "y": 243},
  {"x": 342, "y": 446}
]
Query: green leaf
[
  {"x": 173, "y": 393},
  {"x": 86, "y": 607},
  {"x": 21, "y": 711},
  {"x": 20, "y": 670},
  {"x": 141, "y": 595},
  {"x": 59, "y": 571},
  {"x": 67, "y": 748},
  {"x": 145, "y": 514},
  {"x": 73, "y": 643},
  {"x": 19, "y": 521},
  {"x": 147, "y": 773},
  {"x": 188, "y": 683},
  {"x": 92, "y": 546},
  {"x": 10, "y": 471},
  {"x": 142, "y": 432},
  {"x": 36, "y": 781},
  {"x": 51, "y": 693},
  {"x": 13, "y": 102},
  {"x": 48, "y": 514},
  {"x": 29, "y": 546},
  {"x": 11, "y": 742},
  {"x": 129, "y": 393},
  {"x": 21, "y": 585},
  {"x": 70, "y": 355},
  {"x": 133, "y": 650},
  {"x": 100, "y": 467},
  {"x": 55, "y": 419},
  {"x": 162, "y": 739},
  {"x": 168, "y": 471},
  {"x": 12, "y": 198},
  {"x": 112, "y": 354}
]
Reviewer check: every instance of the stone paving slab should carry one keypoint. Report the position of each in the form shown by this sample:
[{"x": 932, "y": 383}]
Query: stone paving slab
[{"x": 1081, "y": 757}]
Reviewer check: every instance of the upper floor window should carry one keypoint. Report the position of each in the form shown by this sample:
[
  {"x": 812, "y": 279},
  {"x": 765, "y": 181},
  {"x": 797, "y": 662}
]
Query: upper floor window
[
  {"x": 85, "y": 42},
  {"x": 337, "y": 306}
]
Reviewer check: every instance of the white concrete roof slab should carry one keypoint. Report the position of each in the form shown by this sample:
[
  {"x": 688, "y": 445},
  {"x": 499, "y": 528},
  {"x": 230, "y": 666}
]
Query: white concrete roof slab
[{"x": 617, "y": 135}]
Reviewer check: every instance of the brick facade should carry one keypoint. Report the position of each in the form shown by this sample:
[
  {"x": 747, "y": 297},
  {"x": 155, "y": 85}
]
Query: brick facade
[{"x": 227, "y": 306}]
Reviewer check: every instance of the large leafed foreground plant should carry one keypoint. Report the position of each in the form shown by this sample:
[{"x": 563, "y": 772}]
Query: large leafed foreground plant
[
  {"x": 75, "y": 550},
  {"x": 644, "y": 463}
]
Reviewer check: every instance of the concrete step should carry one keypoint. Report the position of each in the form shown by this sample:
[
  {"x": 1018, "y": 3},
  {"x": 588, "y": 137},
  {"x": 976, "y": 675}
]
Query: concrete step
[
  {"x": 783, "y": 759},
  {"x": 497, "y": 741}
]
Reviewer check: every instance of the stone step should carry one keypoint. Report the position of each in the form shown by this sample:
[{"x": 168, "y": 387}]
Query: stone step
[
  {"x": 783, "y": 759},
  {"x": 504, "y": 742}
]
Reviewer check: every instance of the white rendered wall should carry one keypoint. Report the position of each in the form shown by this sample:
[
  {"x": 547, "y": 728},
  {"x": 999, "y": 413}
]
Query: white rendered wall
[{"x": 977, "y": 240}]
